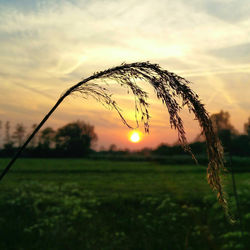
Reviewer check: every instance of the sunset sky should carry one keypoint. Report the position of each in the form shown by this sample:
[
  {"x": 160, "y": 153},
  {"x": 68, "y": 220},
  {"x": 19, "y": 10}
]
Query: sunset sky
[{"x": 47, "y": 46}]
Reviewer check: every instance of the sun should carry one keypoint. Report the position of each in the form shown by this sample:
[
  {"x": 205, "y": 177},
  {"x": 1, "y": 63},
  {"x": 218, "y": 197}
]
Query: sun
[{"x": 135, "y": 136}]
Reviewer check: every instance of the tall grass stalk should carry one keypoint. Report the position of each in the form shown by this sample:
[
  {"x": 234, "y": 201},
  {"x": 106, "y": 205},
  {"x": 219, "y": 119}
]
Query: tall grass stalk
[{"x": 169, "y": 88}]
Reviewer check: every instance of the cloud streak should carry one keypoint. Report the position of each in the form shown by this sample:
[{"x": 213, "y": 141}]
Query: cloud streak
[
  {"x": 34, "y": 90},
  {"x": 47, "y": 45}
]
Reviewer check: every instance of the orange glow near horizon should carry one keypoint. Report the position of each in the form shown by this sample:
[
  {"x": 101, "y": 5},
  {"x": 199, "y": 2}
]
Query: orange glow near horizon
[
  {"x": 135, "y": 136},
  {"x": 214, "y": 58}
]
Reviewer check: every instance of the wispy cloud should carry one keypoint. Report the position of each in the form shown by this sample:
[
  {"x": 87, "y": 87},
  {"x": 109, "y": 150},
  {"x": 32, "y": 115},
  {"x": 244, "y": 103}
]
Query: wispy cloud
[
  {"x": 48, "y": 45},
  {"x": 34, "y": 90}
]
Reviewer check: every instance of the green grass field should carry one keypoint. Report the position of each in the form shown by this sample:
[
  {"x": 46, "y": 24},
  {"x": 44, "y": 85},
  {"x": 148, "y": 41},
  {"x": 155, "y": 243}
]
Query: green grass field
[{"x": 87, "y": 204}]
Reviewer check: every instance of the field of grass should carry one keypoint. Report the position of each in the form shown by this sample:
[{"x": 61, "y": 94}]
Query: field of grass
[{"x": 87, "y": 204}]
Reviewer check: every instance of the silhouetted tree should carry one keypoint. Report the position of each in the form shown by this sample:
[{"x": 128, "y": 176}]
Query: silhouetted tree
[
  {"x": 162, "y": 149},
  {"x": 0, "y": 132},
  {"x": 33, "y": 142},
  {"x": 221, "y": 121},
  {"x": 18, "y": 134},
  {"x": 231, "y": 140},
  {"x": 7, "y": 139},
  {"x": 247, "y": 127},
  {"x": 47, "y": 137},
  {"x": 112, "y": 148},
  {"x": 146, "y": 152},
  {"x": 198, "y": 147},
  {"x": 75, "y": 139},
  {"x": 241, "y": 145},
  {"x": 8, "y": 146},
  {"x": 224, "y": 129}
]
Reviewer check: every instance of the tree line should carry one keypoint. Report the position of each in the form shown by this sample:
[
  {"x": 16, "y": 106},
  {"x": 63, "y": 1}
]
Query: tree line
[
  {"x": 233, "y": 142},
  {"x": 72, "y": 140},
  {"x": 77, "y": 138}
]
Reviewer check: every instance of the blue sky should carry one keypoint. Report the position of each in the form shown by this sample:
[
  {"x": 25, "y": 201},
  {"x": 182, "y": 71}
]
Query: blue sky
[{"x": 45, "y": 46}]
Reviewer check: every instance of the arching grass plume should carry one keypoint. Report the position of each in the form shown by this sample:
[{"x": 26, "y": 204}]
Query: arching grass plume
[{"x": 169, "y": 88}]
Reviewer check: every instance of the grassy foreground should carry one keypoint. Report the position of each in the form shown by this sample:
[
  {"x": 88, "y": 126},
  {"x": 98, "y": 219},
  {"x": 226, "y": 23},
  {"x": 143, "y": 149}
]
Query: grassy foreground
[{"x": 84, "y": 204}]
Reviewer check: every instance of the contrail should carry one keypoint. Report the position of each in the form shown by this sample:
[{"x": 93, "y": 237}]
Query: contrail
[{"x": 34, "y": 90}]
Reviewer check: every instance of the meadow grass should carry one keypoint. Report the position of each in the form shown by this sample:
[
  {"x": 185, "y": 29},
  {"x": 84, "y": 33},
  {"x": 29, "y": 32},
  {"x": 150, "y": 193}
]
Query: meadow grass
[
  {"x": 108, "y": 178},
  {"x": 86, "y": 204}
]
